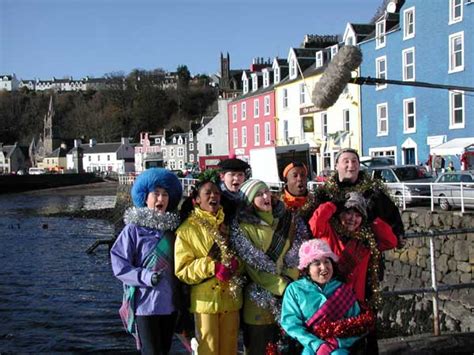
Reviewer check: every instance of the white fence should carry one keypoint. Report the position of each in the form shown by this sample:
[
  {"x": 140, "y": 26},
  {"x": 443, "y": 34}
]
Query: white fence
[{"x": 444, "y": 195}]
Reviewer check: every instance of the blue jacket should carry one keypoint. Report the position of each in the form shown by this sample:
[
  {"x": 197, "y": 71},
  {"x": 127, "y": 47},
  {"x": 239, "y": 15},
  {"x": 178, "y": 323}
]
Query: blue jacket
[{"x": 301, "y": 300}]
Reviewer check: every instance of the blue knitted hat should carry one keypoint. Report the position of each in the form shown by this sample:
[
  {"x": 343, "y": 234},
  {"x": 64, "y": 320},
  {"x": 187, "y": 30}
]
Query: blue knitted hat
[{"x": 152, "y": 178}]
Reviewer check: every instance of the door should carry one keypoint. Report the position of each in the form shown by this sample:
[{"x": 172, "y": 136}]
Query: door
[{"x": 409, "y": 156}]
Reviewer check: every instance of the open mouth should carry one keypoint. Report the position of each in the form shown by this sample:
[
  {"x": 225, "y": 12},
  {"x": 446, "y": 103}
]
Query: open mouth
[
  {"x": 159, "y": 207},
  {"x": 213, "y": 203}
]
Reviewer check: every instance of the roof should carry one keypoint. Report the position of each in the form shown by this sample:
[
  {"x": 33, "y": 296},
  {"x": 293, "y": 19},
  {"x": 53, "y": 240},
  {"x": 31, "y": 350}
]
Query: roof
[
  {"x": 57, "y": 153},
  {"x": 100, "y": 148},
  {"x": 455, "y": 146}
]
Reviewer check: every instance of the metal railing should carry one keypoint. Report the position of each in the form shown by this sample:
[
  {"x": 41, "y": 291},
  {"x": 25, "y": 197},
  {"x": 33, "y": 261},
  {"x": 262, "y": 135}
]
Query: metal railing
[{"x": 435, "y": 288}]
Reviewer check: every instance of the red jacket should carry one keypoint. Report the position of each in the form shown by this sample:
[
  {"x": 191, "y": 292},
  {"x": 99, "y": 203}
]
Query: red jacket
[{"x": 321, "y": 228}]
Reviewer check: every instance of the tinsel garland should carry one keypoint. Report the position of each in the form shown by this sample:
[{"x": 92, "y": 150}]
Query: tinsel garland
[
  {"x": 146, "y": 217},
  {"x": 348, "y": 327},
  {"x": 227, "y": 254},
  {"x": 366, "y": 236},
  {"x": 337, "y": 192},
  {"x": 265, "y": 299}
]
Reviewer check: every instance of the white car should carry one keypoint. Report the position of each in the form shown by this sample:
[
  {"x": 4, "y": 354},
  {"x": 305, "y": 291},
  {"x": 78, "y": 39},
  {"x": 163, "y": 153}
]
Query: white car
[
  {"x": 36, "y": 171},
  {"x": 447, "y": 189}
]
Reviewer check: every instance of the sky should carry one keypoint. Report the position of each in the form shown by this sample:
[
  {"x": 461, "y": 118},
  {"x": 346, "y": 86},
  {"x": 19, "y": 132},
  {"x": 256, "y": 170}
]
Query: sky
[{"x": 61, "y": 38}]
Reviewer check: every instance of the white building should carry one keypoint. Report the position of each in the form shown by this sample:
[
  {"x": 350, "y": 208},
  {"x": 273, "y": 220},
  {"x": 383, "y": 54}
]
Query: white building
[{"x": 9, "y": 82}]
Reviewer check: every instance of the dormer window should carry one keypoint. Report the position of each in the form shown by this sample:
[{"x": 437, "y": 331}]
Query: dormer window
[
  {"x": 334, "y": 50},
  {"x": 266, "y": 78},
  {"x": 191, "y": 135},
  {"x": 245, "y": 84},
  {"x": 157, "y": 140},
  {"x": 293, "y": 71},
  {"x": 380, "y": 34},
  {"x": 276, "y": 75},
  {"x": 254, "y": 82},
  {"x": 174, "y": 140},
  {"x": 180, "y": 140},
  {"x": 319, "y": 59}
]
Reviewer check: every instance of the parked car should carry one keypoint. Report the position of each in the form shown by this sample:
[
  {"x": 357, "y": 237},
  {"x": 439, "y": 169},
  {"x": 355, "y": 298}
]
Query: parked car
[
  {"x": 448, "y": 189},
  {"x": 396, "y": 175},
  {"x": 36, "y": 171},
  {"x": 370, "y": 162}
]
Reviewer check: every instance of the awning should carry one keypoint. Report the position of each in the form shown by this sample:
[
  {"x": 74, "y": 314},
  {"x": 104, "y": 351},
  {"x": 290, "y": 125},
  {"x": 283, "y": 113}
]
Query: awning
[{"x": 455, "y": 146}]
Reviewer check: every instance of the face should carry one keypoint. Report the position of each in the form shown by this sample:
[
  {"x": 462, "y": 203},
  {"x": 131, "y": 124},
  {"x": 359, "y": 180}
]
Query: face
[
  {"x": 158, "y": 200},
  {"x": 209, "y": 198},
  {"x": 321, "y": 270},
  {"x": 263, "y": 200},
  {"x": 233, "y": 180},
  {"x": 351, "y": 219},
  {"x": 296, "y": 181},
  {"x": 348, "y": 167}
]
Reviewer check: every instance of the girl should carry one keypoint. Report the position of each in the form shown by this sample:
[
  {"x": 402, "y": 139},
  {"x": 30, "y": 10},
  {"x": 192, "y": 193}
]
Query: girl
[
  {"x": 142, "y": 258},
  {"x": 204, "y": 260},
  {"x": 319, "y": 310}
]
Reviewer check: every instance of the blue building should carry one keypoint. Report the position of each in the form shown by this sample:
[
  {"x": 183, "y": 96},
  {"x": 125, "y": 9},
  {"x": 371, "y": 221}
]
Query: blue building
[{"x": 419, "y": 41}]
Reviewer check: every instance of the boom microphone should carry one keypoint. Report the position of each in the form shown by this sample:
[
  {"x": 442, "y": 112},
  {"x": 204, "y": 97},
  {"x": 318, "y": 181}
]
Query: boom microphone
[{"x": 336, "y": 76}]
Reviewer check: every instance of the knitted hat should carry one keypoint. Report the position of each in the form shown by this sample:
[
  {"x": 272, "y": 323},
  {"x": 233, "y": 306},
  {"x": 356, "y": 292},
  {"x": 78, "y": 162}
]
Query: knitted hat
[
  {"x": 152, "y": 178},
  {"x": 233, "y": 164},
  {"x": 347, "y": 150},
  {"x": 314, "y": 249},
  {"x": 250, "y": 188},
  {"x": 357, "y": 201}
]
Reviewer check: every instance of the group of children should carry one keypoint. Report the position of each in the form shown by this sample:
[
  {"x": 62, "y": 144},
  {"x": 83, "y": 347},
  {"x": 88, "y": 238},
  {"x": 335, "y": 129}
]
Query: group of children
[{"x": 246, "y": 256}]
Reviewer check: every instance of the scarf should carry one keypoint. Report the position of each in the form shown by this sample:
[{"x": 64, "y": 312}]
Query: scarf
[
  {"x": 233, "y": 196},
  {"x": 146, "y": 217},
  {"x": 293, "y": 202}
]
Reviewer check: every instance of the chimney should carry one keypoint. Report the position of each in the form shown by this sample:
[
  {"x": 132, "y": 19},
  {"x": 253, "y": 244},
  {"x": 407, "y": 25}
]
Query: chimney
[
  {"x": 63, "y": 146},
  {"x": 123, "y": 140},
  {"x": 77, "y": 143},
  {"x": 92, "y": 142}
]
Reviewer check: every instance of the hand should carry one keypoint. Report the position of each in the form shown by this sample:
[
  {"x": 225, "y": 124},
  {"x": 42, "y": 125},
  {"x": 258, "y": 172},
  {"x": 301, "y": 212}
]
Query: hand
[
  {"x": 222, "y": 272},
  {"x": 326, "y": 348}
]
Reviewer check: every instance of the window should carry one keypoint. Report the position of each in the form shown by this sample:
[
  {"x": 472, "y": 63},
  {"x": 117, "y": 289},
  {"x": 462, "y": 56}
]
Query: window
[
  {"x": 244, "y": 111},
  {"x": 191, "y": 146},
  {"x": 256, "y": 134},
  {"x": 276, "y": 75},
  {"x": 346, "y": 120},
  {"x": 256, "y": 108},
  {"x": 180, "y": 164},
  {"x": 180, "y": 152},
  {"x": 381, "y": 71},
  {"x": 455, "y": 11},
  {"x": 334, "y": 50},
  {"x": 380, "y": 34},
  {"x": 164, "y": 153},
  {"x": 285, "y": 98},
  {"x": 171, "y": 152},
  {"x": 172, "y": 164},
  {"x": 266, "y": 78},
  {"x": 293, "y": 68},
  {"x": 254, "y": 82},
  {"x": 98, "y": 157},
  {"x": 191, "y": 158},
  {"x": 108, "y": 157},
  {"x": 456, "y": 109},
  {"x": 266, "y": 103},
  {"x": 208, "y": 149},
  {"x": 409, "y": 23},
  {"x": 234, "y": 113},
  {"x": 319, "y": 59},
  {"x": 209, "y": 131},
  {"x": 408, "y": 64},
  {"x": 324, "y": 124},
  {"x": 456, "y": 52},
  {"x": 285, "y": 130},
  {"x": 302, "y": 93},
  {"x": 382, "y": 120},
  {"x": 191, "y": 135},
  {"x": 235, "y": 138},
  {"x": 267, "y": 133},
  {"x": 409, "y": 116},
  {"x": 244, "y": 136},
  {"x": 245, "y": 85}
]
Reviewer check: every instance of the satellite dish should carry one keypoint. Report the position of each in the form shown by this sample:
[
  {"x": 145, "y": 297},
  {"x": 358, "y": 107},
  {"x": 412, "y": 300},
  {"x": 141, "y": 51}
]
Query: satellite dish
[{"x": 391, "y": 7}]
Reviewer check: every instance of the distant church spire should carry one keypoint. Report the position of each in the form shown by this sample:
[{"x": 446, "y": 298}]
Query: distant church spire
[{"x": 48, "y": 128}]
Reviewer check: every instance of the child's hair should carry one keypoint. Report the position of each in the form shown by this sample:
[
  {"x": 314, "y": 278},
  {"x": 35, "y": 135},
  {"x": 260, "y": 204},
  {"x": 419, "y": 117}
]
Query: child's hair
[{"x": 188, "y": 204}]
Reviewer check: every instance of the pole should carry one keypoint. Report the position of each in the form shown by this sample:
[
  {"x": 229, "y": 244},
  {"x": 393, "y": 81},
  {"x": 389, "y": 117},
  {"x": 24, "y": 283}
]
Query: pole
[{"x": 436, "y": 329}]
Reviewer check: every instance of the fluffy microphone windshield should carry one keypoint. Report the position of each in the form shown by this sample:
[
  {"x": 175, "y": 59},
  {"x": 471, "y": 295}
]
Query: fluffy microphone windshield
[{"x": 336, "y": 76}]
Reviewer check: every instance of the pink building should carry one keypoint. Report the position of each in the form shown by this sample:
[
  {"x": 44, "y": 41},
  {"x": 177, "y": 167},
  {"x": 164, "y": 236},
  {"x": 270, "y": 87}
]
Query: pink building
[{"x": 252, "y": 115}]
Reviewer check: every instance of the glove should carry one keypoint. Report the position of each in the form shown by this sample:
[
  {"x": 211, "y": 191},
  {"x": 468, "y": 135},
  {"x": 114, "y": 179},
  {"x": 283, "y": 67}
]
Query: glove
[
  {"x": 326, "y": 348},
  {"x": 224, "y": 273}
]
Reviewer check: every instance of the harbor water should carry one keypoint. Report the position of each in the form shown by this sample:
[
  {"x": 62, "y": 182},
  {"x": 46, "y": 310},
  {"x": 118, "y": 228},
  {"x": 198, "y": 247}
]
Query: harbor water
[{"x": 54, "y": 297}]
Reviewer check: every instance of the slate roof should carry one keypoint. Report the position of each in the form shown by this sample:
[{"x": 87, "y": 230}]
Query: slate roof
[
  {"x": 100, "y": 148},
  {"x": 57, "y": 153}
]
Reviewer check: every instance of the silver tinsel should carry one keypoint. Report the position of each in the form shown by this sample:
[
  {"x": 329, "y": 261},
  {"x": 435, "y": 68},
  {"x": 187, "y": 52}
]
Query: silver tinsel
[
  {"x": 292, "y": 258},
  {"x": 146, "y": 217},
  {"x": 265, "y": 299}
]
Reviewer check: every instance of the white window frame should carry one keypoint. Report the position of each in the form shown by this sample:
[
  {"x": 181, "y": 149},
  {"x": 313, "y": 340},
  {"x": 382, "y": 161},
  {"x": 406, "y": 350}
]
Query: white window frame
[
  {"x": 324, "y": 124},
  {"x": 285, "y": 132},
  {"x": 180, "y": 152},
  {"x": 208, "y": 148},
  {"x": 234, "y": 113},
  {"x": 334, "y": 50},
  {"x": 191, "y": 146},
  {"x": 407, "y": 115},
  {"x": 453, "y": 4},
  {"x": 256, "y": 134},
  {"x": 256, "y": 108},
  {"x": 319, "y": 59},
  {"x": 380, "y": 74},
  {"x": 266, "y": 78},
  {"x": 302, "y": 94},
  {"x": 276, "y": 75},
  {"x": 380, "y": 119},
  {"x": 383, "y": 152},
  {"x": 244, "y": 136},
  {"x": 293, "y": 69},
  {"x": 409, "y": 23},
  {"x": 452, "y": 53},
  {"x": 243, "y": 114},
  {"x": 267, "y": 129},
  {"x": 285, "y": 98},
  {"x": 406, "y": 65},
  {"x": 172, "y": 152},
  {"x": 452, "y": 109},
  {"x": 254, "y": 82},
  {"x": 380, "y": 39},
  {"x": 346, "y": 120},
  {"x": 191, "y": 158},
  {"x": 235, "y": 138},
  {"x": 245, "y": 86},
  {"x": 266, "y": 105}
]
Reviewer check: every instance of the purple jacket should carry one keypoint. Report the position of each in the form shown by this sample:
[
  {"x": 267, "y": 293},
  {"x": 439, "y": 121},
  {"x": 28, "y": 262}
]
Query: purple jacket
[{"x": 127, "y": 254}]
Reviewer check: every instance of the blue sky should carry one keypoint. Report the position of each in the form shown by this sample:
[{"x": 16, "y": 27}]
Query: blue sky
[{"x": 46, "y": 38}]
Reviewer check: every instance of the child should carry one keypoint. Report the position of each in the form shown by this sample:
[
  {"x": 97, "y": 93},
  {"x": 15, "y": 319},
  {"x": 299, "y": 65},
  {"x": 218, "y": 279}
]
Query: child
[
  {"x": 204, "y": 260},
  {"x": 262, "y": 238},
  {"x": 142, "y": 258},
  {"x": 319, "y": 310}
]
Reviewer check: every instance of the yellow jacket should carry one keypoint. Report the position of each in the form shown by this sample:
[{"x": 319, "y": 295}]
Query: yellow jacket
[{"x": 194, "y": 267}]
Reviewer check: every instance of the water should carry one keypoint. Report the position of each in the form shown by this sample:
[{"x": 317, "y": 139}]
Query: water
[{"x": 53, "y": 296}]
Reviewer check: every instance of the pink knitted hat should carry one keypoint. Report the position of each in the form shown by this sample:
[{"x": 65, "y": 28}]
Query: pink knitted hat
[{"x": 314, "y": 249}]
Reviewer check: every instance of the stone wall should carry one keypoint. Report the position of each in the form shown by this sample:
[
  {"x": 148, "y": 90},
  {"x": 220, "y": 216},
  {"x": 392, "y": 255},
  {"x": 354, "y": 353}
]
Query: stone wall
[{"x": 409, "y": 268}]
